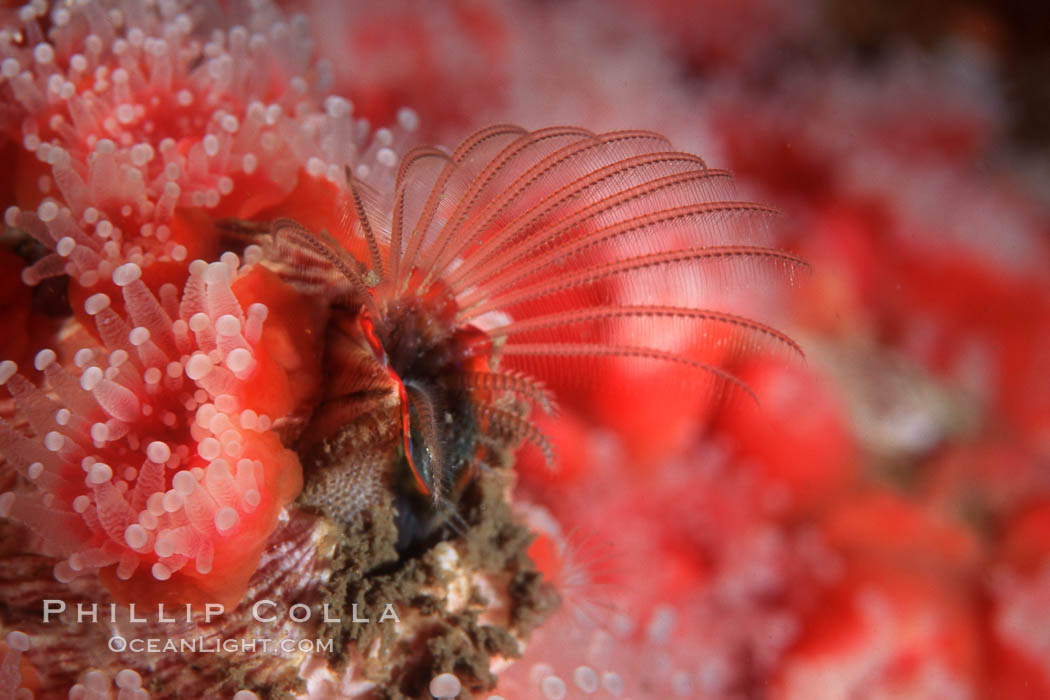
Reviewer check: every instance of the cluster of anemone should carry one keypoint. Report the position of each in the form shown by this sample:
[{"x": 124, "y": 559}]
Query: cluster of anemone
[
  {"x": 142, "y": 452},
  {"x": 127, "y": 114},
  {"x": 144, "y": 437}
]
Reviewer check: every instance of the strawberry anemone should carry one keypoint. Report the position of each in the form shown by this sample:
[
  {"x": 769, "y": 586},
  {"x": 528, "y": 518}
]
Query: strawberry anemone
[
  {"x": 128, "y": 118},
  {"x": 149, "y": 452}
]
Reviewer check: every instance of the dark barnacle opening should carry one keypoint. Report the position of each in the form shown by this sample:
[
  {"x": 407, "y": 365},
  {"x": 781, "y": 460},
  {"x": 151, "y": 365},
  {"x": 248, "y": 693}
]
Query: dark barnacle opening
[
  {"x": 440, "y": 441},
  {"x": 395, "y": 416}
]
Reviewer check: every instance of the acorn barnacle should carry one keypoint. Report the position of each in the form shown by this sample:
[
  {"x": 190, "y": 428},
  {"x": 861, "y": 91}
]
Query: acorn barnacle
[{"x": 519, "y": 257}]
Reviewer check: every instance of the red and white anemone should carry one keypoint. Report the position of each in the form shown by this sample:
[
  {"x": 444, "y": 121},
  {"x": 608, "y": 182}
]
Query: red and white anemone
[
  {"x": 127, "y": 113},
  {"x": 147, "y": 450}
]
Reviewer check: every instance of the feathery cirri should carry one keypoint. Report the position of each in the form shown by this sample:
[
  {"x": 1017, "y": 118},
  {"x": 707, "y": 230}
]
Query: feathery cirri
[
  {"x": 510, "y": 263},
  {"x": 526, "y": 255}
]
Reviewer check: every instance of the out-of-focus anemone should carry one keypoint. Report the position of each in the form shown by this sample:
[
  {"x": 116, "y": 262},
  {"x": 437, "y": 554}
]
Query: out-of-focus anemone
[
  {"x": 383, "y": 56},
  {"x": 1020, "y": 594},
  {"x": 655, "y": 578},
  {"x": 896, "y": 622},
  {"x": 148, "y": 452}
]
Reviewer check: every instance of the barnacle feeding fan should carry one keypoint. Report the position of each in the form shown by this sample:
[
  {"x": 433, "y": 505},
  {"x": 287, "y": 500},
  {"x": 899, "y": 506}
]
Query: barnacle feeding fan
[{"x": 278, "y": 363}]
